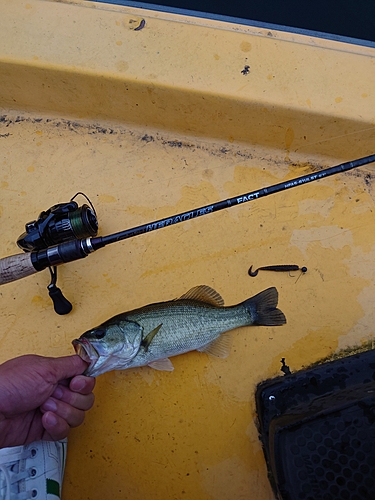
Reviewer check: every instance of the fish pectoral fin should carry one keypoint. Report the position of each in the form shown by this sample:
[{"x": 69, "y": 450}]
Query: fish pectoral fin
[
  {"x": 204, "y": 293},
  {"x": 163, "y": 364},
  {"x": 220, "y": 347},
  {"x": 148, "y": 339}
]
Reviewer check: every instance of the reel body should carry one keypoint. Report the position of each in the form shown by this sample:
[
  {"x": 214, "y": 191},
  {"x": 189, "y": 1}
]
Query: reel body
[{"x": 60, "y": 223}]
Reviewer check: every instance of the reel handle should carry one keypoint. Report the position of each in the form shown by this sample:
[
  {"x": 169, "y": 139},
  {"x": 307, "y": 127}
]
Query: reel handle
[{"x": 15, "y": 267}]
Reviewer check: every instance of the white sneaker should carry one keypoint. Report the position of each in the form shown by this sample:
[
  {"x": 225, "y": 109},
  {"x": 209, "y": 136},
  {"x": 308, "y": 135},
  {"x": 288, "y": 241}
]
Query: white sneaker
[{"x": 34, "y": 471}]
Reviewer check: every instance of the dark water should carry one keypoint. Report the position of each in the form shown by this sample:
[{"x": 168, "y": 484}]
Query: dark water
[{"x": 349, "y": 18}]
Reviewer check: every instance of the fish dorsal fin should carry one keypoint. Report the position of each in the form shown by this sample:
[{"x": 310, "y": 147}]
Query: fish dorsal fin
[
  {"x": 204, "y": 293},
  {"x": 220, "y": 348},
  {"x": 163, "y": 364}
]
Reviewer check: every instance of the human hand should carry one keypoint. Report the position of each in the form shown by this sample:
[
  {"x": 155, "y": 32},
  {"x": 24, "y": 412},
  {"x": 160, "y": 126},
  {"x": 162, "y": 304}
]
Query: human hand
[{"x": 41, "y": 398}]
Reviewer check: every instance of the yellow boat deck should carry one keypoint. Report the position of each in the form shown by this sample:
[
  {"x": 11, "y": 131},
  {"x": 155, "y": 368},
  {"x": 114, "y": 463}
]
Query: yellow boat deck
[{"x": 151, "y": 114}]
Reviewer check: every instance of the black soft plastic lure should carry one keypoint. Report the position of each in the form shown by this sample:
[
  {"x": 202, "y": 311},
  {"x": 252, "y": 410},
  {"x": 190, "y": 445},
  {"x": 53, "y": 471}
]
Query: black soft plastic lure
[{"x": 280, "y": 269}]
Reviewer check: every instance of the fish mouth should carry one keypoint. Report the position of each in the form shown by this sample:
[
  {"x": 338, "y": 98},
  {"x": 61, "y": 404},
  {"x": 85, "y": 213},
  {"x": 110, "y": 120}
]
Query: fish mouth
[{"x": 87, "y": 352}]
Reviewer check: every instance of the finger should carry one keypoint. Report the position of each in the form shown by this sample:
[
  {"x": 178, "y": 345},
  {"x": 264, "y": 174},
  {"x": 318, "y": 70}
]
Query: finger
[
  {"x": 82, "y": 384},
  {"x": 72, "y": 416},
  {"x": 75, "y": 399},
  {"x": 55, "y": 426},
  {"x": 64, "y": 382},
  {"x": 68, "y": 366}
]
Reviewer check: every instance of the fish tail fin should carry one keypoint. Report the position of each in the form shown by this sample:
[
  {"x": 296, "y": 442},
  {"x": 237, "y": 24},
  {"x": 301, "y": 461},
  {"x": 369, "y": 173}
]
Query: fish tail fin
[{"x": 263, "y": 308}]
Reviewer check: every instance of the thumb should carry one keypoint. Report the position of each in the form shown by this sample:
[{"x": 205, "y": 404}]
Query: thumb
[{"x": 68, "y": 366}]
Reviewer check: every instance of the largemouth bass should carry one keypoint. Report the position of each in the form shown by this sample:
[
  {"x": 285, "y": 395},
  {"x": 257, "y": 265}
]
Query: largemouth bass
[{"x": 151, "y": 334}]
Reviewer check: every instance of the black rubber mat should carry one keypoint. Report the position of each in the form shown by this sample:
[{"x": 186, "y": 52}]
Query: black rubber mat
[{"x": 317, "y": 427}]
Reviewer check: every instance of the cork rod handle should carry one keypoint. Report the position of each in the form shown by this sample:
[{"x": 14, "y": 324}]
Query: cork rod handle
[{"x": 16, "y": 267}]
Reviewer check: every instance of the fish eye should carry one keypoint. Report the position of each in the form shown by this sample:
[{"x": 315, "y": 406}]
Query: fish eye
[{"x": 99, "y": 334}]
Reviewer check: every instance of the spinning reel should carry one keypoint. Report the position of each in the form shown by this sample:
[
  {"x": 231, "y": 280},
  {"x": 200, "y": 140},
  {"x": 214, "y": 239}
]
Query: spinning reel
[{"x": 60, "y": 223}]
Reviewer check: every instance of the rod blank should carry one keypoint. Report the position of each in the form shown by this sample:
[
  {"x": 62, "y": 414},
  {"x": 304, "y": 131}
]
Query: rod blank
[{"x": 230, "y": 202}]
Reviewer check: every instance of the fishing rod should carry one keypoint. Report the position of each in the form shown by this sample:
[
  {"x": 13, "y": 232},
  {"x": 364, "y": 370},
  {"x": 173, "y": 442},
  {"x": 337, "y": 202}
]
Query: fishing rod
[{"x": 22, "y": 265}]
